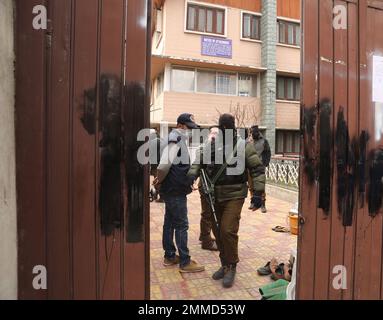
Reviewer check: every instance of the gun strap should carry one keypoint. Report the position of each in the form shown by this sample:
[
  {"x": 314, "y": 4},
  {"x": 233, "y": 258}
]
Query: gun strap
[{"x": 224, "y": 166}]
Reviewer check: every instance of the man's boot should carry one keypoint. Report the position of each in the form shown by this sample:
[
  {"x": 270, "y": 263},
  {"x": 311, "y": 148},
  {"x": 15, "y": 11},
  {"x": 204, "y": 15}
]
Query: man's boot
[
  {"x": 252, "y": 206},
  {"x": 228, "y": 279},
  {"x": 263, "y": 209},
  {"x": 219, "y": 274},
  {"x": 210, "y": 246}
]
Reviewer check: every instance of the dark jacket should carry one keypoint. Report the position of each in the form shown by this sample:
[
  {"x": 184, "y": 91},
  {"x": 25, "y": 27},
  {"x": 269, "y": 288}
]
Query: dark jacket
[
  {"x": 263, "y": 150},
  {"x": 175, "y": 181},
  {"x": 233, "y": 186}
]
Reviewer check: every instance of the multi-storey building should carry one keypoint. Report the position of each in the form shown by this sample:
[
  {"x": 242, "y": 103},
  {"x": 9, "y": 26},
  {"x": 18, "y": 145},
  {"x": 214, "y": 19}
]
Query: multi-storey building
[{"x": 238, "y": 56}]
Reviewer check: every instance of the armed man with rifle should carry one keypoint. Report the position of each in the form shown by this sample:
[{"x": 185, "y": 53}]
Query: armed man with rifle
[
  {"x": 207, "y": 242},
  {"x": 224, "y": 183},
  {"x": 264, "y": 153}
]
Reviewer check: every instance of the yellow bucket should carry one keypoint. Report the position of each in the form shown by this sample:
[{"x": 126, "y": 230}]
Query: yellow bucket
[{"x": 293, "y": 219}]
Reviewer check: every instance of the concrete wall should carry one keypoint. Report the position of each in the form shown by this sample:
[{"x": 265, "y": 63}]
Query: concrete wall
[
  {"x": 8, "y": 228},
  {"x": 204, "y": 106},
  {"x": 282, "y": 194}
]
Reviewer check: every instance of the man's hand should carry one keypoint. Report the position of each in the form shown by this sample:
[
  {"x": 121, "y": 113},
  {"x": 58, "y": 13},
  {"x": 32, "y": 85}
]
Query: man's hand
[
  {"x": 256, "y": 201},
  {"x": 195, "y": 185}
]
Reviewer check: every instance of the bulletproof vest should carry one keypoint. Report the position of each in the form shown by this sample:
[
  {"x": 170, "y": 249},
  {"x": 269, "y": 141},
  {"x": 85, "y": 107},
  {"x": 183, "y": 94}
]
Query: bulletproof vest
[{"x": 213, "y": 168}]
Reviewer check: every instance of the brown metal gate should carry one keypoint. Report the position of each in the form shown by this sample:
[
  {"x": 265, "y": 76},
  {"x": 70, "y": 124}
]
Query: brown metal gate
[
  {"x": 82, "y": 95},
  {"x": 341, "y": 227}
]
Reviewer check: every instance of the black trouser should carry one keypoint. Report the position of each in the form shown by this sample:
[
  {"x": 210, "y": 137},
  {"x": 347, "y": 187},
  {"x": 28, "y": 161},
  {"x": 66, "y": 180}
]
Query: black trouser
[{"x": 206, "y": 223}]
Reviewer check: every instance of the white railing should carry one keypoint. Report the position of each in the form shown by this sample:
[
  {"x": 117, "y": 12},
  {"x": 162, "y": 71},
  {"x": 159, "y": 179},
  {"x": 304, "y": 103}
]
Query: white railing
[{"x": 283, "y": 171}]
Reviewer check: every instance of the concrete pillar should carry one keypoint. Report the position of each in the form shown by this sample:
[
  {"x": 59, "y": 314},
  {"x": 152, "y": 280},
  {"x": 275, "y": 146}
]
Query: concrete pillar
[
  {"x": 268, "y": 78},
  {"x": 8, "y": 227}
]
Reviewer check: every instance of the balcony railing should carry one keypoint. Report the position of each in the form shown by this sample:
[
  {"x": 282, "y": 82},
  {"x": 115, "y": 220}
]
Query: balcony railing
[{"x": 283, "y": 171}]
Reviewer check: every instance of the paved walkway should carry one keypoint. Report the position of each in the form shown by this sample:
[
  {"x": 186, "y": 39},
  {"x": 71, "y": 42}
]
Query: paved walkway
[{"x": 257, "y": 245}]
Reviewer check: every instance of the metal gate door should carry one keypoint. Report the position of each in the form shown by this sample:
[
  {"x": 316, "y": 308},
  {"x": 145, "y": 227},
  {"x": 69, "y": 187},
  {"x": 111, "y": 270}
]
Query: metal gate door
[
  {"x": 82, "y": 96},
  {"x": 341, "y": 222}
]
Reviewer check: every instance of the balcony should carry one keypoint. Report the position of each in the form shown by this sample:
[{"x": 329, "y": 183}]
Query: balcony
[
  {"x": 287, "y": 115},
  {"x": 288, "y": 59}
]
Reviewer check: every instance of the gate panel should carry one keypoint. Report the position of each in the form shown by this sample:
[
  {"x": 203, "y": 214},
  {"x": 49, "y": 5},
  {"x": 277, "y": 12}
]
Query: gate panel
[
  {"x": 136, "y": 117},
  {"x": 110, "y": 67},
  {"x": 369, "y": 236},
  {"x": 30, "y": 149},
  {"x": 77, "y": 214},
  {"x": 340, "y": 106},
  {"x": 363, "y": 240},
  {"x": 375, "y": 46},
  {"x": 347, "y": 234},
  {"x": 58, "y": 144},
  {"x": 308, "y": 196},
  {"x": 85, "y": 188},
  {"x": 325, "y": 101},
  {"x": 353, "y": 114}
]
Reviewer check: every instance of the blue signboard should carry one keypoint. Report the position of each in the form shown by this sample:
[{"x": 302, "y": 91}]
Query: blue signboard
[{"x": 216, "y": 47}]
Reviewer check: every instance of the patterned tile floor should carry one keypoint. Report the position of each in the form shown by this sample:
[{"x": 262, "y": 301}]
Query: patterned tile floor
[{"x": 257, "y": 245}]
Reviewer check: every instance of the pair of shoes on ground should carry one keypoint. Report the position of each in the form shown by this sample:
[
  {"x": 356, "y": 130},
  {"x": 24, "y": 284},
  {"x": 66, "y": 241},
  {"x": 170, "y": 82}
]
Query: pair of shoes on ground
[
  {"x": 227, "y": 274},
  {"x": 263, "y": 208},
  {"x": 276, "y": 270},
  {"x": 191, "y": 267},
  {"x": 210, "y": 246}
]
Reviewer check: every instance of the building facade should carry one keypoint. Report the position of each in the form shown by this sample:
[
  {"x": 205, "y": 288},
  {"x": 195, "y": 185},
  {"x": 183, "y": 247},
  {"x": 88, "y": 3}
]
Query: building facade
[{"x": 216, "y": 56}]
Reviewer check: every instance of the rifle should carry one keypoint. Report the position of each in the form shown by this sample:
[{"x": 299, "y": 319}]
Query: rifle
[{"x": 208, "y": 191}]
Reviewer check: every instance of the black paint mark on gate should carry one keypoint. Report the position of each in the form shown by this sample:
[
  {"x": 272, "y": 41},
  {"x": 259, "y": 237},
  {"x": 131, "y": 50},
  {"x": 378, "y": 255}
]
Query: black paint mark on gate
[
  {"x": 362, "y": 165},
  {"x": 325, "y": 137},
  {"x": 118, "y": 146},
  {"x": 134, "y": 106},
  {"x": 375, "y": 194},
  {"x": 110, "y": 193},
  {"x": 309, "y": 121},
  {"x": 346, "y": 169},
  {"x": 109, "y": 126},
  {"x": 353, "y": 171},
  {"x": 88, "y": 118}
]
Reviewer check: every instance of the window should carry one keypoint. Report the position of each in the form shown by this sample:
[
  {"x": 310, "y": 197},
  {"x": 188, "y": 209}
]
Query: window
[
  {"x": 205, "y": 19},
  {"x": 251, "y": 26},
  {"x": 160, "y": 85},
  {"x": 159, "y": 20},
  {"x": 247, "y": 85},
  {"x": 206, "y": 81},
  {"x": 287, "y": 142},
  {"x": 209, "y": 81},
  {"x": 289, "y": 33},
  {"x": 183, "y": 79},
  {"x": 288, "y": 88},
  {"x": 227, "y": 83}
]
